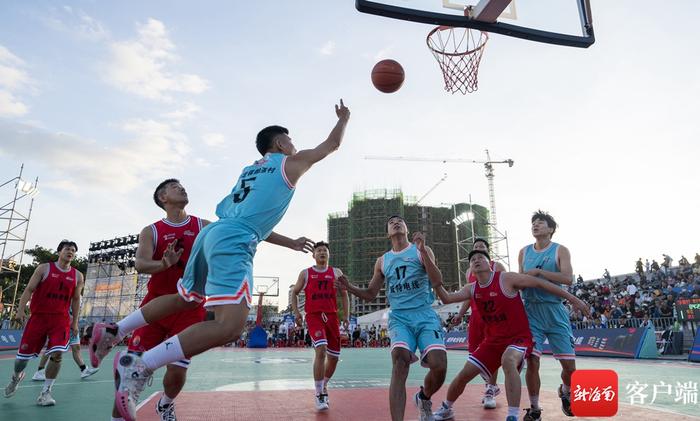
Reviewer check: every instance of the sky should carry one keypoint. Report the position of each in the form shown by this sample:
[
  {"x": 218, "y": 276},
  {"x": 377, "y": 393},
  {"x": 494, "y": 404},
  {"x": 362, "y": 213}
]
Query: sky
[{"x": 103, "y": 100}]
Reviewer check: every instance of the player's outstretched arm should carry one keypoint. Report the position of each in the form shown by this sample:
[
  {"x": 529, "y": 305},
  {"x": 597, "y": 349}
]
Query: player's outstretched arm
[
  {"x": 519, "y": 281},
  {"x": 428, "y": 259},
  {"x": 33, "y": 283},
  {"x": 565, "y": 276},
  {"x": 296, "y": 290},
  {"x": 296, "y": 165},
  {"x": 373, "y": 288},
  {"x": 144, "y": 254},
  {"x": 457, "y": 318},
  {"x": 302, "y": 244},
  {"x": 453, "y": 297}
]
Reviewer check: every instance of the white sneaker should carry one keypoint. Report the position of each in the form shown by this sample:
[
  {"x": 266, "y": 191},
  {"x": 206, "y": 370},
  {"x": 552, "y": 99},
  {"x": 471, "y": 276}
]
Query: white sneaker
[
  {"x": 131, "y": 376},
  {"x": 166, "y": 412},
  {"x": 89, "y": 371},
  {"x": 425, "y": 407},
  {"x": 444, "y": 413},
  {"x": 45, "y": 399},
  {"x": 39, "y": 376},
  {"x": 11, "y": 388},
  {"x": 321, "y": 403},
  {"x": 489, "y": 399}
]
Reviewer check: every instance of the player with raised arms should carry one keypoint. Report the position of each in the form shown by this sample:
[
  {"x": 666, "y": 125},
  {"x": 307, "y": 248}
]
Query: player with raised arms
[
  {"x": 220, "y": 268},
  {"x": 408, "y": 269},
  {"x": 508, "y": 340}
]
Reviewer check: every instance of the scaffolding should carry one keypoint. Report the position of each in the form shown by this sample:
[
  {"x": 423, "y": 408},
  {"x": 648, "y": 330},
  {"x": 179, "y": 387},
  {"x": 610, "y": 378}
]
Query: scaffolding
[
  {"x": 14, "y": 225},
  {"x": 113, "y": 288},
  {"x": 358, "y": 237}
]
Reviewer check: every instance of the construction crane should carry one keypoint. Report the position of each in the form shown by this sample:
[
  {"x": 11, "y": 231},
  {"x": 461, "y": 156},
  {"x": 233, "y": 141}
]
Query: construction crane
[
  {"x": 488, "y": 166},
  {"x": 435, "y": 186}
]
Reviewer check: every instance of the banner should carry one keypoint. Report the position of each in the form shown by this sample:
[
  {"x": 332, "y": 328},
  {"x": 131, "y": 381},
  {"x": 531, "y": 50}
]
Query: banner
[
  {"x": 624, "y": 343},
  {"x": 456, "y": 340},
  {"x": 694, "y": 354},
  {"x": 9, "y": 339}
]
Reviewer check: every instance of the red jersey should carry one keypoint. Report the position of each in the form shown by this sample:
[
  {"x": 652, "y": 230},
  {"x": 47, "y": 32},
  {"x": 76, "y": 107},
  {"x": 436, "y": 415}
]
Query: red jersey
[
  {"x": 503, "y": 314},
  {"x": 55, "y": 292},
  {"x": 472, "y": 278},
  {"x": 164, "y": 233},
  {"x": 320, "y": 291}
]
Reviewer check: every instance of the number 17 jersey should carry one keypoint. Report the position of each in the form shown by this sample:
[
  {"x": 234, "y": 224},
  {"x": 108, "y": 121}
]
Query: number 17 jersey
[
  {"x": 260, "y": 197},
  {"x": 407, "y": 283}
]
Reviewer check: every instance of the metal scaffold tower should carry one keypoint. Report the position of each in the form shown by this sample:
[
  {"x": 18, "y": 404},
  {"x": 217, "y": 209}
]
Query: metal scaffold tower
[{"x": 14, "y": 223}]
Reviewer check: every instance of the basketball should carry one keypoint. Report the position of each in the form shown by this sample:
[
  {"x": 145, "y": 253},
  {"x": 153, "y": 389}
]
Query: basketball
[{"x": 387, "y": 76}]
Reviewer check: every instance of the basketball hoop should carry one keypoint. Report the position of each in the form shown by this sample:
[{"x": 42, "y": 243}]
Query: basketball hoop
[{"x": 458, "y": 52}]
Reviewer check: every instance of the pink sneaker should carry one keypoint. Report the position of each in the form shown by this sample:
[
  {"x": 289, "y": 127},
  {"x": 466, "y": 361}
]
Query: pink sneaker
[
  {"x": 104, "y": 337},
  {"x": 131, "y": 376}
]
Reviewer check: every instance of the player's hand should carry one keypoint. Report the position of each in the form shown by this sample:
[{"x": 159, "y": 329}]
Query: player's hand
[
  {"x": 419, "y": 241},
  {"x": 74, "y": 330},
  {"x": 342, "y": 111},
  {"x": 346, "y": 323},
  {"x": 299, "y": 320},
  {"x": 534, "y": 272},
  {"x": 303, "y": 244},
  {"x": 172, "y": 256},
  {"x": 582, "y": 306},
  {"x": 456, "y": 320},
  {"x": 22, "y": 315},
  {"x": 341, "y": 282}
]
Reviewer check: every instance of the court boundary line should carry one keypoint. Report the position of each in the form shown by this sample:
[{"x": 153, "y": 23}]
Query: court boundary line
[{"x": 145, "y": 401}]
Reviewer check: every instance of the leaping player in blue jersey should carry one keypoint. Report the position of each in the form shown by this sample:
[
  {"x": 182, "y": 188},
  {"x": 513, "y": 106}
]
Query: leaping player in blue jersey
[
  {"x": 220, "y": 267},
  {"x": 546, "y": 313},
  {"x": 408, "y": 270}
]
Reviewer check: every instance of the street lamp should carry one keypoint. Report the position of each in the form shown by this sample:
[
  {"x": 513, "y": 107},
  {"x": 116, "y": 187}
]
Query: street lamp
[{"x": 27, "y": 188}]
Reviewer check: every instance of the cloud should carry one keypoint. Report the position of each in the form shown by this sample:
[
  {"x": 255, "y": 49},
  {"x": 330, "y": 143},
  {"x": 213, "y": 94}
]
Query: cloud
[
  {"x": 383, "y": 53},
  {"x": 13, "y": 78},
  {"x": 214, "y": 139},
  {"x": 186, "y": 112},
  {"x": 328, "y": 48},
  {"x": 150, "y": 150},
  {"x": 144, "y": 66},
  {"x": 76, "y": 23}
]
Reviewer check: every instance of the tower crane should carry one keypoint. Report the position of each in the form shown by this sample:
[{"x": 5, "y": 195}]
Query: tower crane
[{"x": 488, "y": 166}]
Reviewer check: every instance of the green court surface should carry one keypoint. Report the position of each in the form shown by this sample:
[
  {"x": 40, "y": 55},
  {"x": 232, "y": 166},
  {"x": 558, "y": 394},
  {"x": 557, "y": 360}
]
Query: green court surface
[{"x": 241, "y": 374}]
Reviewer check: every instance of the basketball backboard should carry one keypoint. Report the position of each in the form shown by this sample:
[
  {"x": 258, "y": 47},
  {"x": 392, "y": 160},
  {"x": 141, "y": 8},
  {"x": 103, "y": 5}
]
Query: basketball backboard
[
  {"x": 561, "y": 22},
  {"x": 269, "y": 286}
]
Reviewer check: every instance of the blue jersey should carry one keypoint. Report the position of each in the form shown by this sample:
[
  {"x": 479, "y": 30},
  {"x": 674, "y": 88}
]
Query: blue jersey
[
  {"x": 407, "y": 283},
  {"x": 260, "y": 197},
  {"x": 546, "y": 259}
]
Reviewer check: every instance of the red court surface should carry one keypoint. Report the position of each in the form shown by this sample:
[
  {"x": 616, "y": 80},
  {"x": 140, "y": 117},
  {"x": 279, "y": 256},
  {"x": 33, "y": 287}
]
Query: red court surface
[{"x": 366, "y": 404}]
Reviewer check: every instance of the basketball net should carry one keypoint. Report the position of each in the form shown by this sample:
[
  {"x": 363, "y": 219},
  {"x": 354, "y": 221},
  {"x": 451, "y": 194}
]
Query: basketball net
[{"x": 458, "y": 52}]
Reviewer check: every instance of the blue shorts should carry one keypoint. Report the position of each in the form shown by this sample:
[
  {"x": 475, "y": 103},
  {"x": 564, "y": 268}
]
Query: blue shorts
[
  {"x": 550, "y": 322},
  {"x": 74, "y": 339},
  {"x": 416, "y": 328},
  {"x": 220, "y": 267}
]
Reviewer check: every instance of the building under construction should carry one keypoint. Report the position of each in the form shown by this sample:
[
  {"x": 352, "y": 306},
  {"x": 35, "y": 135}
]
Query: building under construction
[{"x": 357, "y": 237}]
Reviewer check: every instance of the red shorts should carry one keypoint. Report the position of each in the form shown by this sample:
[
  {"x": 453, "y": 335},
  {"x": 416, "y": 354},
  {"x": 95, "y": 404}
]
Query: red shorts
[
  {"x": 324, "y": 329},
  {"x": 149, "y": 336},
  {"x": 476, "y": 333},
  {"x": 487, "y": 357},
  {"x": 52, "y": 330}
]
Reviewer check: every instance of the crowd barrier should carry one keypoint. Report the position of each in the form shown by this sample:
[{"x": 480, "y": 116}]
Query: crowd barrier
[
  {"x": 694, "y": 354},
  {"x": 9, "y": 339},
  {"x": 624, "y": 343}
]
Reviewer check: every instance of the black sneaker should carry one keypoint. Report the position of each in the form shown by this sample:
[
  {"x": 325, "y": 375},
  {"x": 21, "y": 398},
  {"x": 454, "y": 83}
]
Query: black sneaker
[
  {"x": 565, "y": 403},
  {"x": 532, "y": 414}
]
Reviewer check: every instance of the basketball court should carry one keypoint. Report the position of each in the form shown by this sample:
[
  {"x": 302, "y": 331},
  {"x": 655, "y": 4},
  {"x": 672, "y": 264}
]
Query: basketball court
[{"x": 242, "y": 384}]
